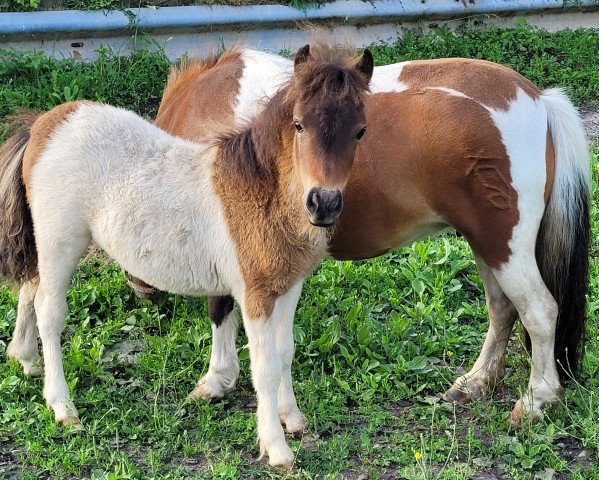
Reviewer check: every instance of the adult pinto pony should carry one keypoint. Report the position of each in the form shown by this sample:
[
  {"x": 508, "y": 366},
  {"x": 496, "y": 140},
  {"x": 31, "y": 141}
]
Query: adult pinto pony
[
  {"x": 451, "y": 142},
  {"x": 241, "y": 216}
]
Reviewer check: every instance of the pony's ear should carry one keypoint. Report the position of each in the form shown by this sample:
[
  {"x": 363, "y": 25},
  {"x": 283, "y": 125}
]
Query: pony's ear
[
  {"x": 302, "y": 56},
  {"x": 365, "y": 64}
]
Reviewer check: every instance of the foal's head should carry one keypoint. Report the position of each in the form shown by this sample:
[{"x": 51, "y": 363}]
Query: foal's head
[{"x": 328, "y": 118}]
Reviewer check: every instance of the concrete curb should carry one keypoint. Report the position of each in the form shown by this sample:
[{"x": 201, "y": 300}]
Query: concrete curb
[{"x": 221, "y": 21}]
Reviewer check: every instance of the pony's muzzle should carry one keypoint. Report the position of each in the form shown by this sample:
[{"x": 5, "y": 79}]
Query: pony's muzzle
[{"x": 324, "y": 206}]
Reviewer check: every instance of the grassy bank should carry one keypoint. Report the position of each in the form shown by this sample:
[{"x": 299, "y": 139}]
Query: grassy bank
[
  {"x": 567, "y": 58},
  {"x": 376, "y": 341}
]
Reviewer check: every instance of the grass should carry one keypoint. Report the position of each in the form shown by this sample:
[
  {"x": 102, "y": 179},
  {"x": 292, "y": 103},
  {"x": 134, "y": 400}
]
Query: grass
[{"x": 376, "y": 341}]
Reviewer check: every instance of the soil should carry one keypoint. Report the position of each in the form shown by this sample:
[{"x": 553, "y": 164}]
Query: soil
[{"x": 590, "y": 118}]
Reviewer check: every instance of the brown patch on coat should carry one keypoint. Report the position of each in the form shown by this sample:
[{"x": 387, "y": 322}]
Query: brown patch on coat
[
  {"x": 198, "y": 100},
  {"x": 489, "y": 83},
  {"x": 446, "y": 163},
  {"x": 261, "y": 199},
  {"x": 40, "y": 133}
]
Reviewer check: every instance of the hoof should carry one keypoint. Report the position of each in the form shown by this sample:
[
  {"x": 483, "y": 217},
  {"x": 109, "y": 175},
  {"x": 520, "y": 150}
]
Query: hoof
[
  {"x": 519, "y": 416},
  {"x": 296, "y": 424},
  {"x": 463, "y": 391},
  {"x": 455, "y": 395},
  {"x": 33, "y": 371},
  {"x": 201, "y": 392},
  {"x": 278, "y": 457},
  {"x": 31, "y": 367},
  {"x": 210, "y": 388},
  {"x": 73, "y": 424}
]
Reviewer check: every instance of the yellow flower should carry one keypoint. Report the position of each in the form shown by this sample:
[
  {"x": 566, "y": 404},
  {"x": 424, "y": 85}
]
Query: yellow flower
[
  {"x": 449, "y": 353},
  {"x": 417, "y": 455}
]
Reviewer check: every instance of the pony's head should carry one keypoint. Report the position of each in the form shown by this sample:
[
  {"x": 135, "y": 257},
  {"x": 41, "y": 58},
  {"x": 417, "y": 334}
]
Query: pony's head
[{"x": 327, "y": 93}]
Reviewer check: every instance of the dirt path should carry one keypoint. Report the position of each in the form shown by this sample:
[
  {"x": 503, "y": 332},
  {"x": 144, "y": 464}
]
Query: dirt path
[{"x": 590, "y": 117}]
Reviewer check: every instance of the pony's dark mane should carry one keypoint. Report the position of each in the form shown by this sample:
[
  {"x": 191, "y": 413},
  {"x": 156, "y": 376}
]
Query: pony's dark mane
[
  {"x": 250, "y": 154},
  {"x": 331, "y": 75}
]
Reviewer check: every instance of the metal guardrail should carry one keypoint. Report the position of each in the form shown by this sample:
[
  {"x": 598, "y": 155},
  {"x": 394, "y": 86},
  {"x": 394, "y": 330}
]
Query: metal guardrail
[{"x": 266, "y": 26}]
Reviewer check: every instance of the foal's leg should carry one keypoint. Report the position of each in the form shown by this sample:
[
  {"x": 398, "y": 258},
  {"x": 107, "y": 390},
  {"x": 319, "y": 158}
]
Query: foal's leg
[
  {"x": 289, "y": 413},
  {"x": 57, "y": 261},
  {"x": 489, "y": 368},
  {"x": 267, "y": 369},
  {"x": 224, "y": 363},
  {"x": 23, "y": 346},
  {"x": 521, "y": 281}
]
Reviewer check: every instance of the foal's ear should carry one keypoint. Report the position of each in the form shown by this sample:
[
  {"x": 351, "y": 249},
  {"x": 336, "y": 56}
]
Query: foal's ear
[
  {"x": 302, "y": 55},
  {"x": 365, "y": 64}
]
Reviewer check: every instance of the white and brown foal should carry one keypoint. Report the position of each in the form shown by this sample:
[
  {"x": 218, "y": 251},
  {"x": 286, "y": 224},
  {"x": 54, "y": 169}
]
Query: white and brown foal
[
  {"x": 240, "y": 216},
  {"x": 451, "y": 142}
]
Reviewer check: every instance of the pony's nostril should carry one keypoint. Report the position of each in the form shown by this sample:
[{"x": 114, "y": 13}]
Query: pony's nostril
[
  {"x": 312, "y": 201},
  {"x": 337, "y": 203}
]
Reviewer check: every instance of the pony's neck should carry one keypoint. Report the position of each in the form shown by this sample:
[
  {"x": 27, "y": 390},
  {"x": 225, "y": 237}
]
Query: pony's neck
[
  {"x": 256, "y": 171},
  {"x": 260, "y": 159}
]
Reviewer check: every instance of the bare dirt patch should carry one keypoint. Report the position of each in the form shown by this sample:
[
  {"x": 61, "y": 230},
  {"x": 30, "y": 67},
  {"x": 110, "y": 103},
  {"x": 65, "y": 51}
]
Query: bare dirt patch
[
  {"x": 590, "y": 118},
  {"x": 10, "y": 468}
]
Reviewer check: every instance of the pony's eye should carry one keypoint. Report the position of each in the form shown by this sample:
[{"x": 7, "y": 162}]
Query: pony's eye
[
  {"x": 298, "y": 126},
  {"x": 361, "y": 133}
]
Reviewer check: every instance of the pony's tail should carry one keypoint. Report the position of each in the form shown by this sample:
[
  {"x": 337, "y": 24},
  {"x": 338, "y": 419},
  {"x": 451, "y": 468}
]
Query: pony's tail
[
  {"x": 18, "y": 255},
  {"x": 562, "y": 248}
]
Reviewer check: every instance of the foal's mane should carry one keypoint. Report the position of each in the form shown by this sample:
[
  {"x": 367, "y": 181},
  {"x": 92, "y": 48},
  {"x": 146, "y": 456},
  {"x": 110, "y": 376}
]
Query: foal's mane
[{"x": 250, "y": 154}]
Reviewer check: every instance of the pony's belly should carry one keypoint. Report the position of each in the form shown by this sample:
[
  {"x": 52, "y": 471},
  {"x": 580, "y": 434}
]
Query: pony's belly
[
  {"x": 175, "y": 259},
  {"x": 175, "y": 273},
  {"x": 361, "y": 244}
]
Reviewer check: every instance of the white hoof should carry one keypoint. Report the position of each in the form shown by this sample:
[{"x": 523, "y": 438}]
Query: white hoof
[
  {"x": 31, "y": 366},
  {"x": 294, "y": 421},
  {"x": 65, "y": 413},
  {"x": 279, "y": 455},
  {"x": 212, "y": 387}
]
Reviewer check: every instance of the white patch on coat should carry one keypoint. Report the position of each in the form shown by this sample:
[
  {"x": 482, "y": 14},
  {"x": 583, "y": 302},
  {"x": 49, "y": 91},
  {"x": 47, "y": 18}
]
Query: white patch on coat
[
  {"x": 450, "y": 91},
  {"x": 263, "y": 75},
  {"x": 523, "y": 129},
  {"x": 385, "y": 79}
]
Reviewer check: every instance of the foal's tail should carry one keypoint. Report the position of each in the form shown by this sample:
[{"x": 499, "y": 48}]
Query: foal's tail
[
  {"x": 18, "y": 255},
  {"x": 563, "y": 242}
]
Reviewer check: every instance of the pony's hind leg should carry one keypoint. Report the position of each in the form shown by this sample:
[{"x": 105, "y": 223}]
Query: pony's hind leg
[
  {"x": 57, "y": 261},
  {"x": 23, "y": 346},
  {"x": 521, "y": 281},
  {"x": 489, "y": 368},
  {"x": 523, "y": 284},
  {"x": 223, "y": 370}
]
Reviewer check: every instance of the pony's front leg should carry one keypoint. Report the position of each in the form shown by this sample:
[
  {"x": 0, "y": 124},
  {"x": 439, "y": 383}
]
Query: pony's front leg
[
  {"x": 289, "y": 413},
  {"x": 266, "y": 368}
]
